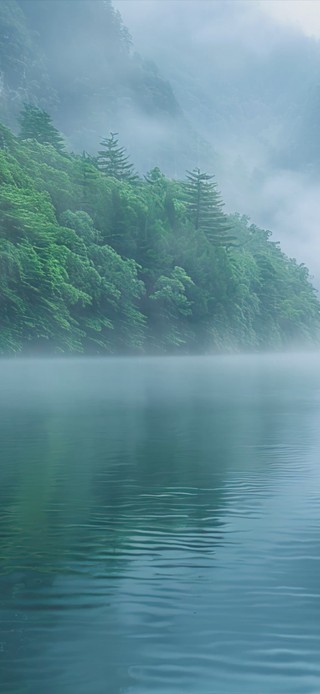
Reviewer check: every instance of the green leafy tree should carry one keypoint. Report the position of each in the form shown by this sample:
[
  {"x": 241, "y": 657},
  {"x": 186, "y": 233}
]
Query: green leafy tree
[
  {"x": 113, "y": 160},
  {"x": 205, "y": 207},
  {"x": 36, "y": 124},
  {"x": 172, "y": 307}
]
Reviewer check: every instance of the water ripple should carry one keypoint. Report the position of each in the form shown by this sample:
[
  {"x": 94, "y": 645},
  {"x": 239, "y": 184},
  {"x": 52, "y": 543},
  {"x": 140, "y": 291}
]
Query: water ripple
[{"x": 159, "y": 527}]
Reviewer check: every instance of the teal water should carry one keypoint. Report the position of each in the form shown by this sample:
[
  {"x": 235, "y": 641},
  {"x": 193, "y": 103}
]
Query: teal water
[{"x": 160, "y": 526}]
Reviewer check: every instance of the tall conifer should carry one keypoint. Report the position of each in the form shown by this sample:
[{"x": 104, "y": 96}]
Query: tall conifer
[
  {"x": 113, "y": 160},
  {"x": 205, "y": 207}
]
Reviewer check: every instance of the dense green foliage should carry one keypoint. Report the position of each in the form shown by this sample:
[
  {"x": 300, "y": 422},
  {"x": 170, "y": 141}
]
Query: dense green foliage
[
  {"x": 91, "y": 263},
  {"x": 36, "y": 124}
]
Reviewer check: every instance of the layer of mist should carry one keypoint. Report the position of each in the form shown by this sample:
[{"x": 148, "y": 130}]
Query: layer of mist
[{"x": 249, "y": 85}]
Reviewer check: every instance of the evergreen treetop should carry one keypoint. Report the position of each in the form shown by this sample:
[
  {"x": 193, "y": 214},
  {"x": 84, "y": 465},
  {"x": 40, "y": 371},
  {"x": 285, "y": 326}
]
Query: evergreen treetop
[
  {"x": 113, "y": 161},
  {"x": 205, "y": 207},
  {"x": 36, "y": 124}
]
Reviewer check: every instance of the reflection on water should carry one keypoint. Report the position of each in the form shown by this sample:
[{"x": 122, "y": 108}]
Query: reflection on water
[{"x": 159, "y": 526}]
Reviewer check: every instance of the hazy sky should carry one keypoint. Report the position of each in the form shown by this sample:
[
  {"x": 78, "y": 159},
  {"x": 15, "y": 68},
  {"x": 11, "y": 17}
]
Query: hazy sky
[{"x": 302, "y": 13}]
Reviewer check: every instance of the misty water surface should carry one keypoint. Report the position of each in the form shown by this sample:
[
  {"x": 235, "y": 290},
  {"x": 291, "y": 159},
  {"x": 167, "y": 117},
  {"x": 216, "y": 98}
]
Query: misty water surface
[{"x": 160, "y": 526}]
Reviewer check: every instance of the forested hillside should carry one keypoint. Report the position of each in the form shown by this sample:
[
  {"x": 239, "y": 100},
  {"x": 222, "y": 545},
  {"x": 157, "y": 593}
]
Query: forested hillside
[{"x": 97, "y": 259}]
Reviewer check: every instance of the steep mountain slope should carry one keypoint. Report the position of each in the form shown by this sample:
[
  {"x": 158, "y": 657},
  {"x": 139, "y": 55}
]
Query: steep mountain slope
[
  {"x": 239, "y": 75},
  {"x": 23, "y": 74},
  {"x": 75, "y": 58}
]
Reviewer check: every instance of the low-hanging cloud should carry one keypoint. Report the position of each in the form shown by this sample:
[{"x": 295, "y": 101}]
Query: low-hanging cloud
[{"x": 244, "y": 81}]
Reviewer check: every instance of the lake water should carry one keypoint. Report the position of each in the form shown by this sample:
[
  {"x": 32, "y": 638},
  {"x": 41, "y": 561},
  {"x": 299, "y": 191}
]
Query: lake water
[{"x": 160, "y": 526}]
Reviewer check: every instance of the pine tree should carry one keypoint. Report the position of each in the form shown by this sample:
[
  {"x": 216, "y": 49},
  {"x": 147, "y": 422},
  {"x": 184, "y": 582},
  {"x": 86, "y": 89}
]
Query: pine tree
[
  {"x": 205, "y": 207},
  {"x": 113, "y": 161},
  {"x": 36, "y": 124}
]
